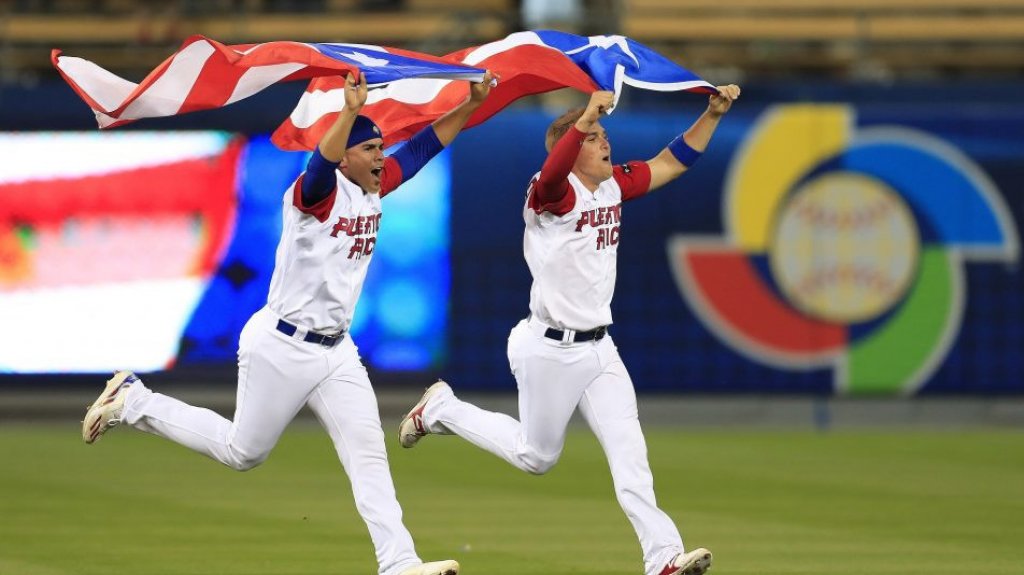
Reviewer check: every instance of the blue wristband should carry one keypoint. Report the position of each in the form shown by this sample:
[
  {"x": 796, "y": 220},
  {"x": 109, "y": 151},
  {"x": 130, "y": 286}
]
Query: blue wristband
[{"x": 683, "y": 152}]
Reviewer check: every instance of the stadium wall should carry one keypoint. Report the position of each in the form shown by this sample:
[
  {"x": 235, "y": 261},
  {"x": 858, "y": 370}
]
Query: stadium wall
[{"x": 701, "y": 303}]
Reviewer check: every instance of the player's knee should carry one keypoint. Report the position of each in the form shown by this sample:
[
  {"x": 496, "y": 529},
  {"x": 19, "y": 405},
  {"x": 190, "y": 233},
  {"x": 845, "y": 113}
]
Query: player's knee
[
  {"x": 538, "y": 463},
  {"x": 245, "y": 461}
]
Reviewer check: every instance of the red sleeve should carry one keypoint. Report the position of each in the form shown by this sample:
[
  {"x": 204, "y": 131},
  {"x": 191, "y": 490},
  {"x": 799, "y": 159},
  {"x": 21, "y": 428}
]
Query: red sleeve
[
  {"x": 551, "y": 191},
  {"x": 634, "y": 178},
  {"x": 559, "y": 207},
  {"x": 390, "y": 176},
  {"x": 319, "y": 210}
]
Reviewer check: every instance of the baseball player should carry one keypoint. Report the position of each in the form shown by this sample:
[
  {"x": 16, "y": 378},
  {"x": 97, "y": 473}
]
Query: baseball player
[
  {"x": 296, "y": 350},
  {"x": 562, "y": 354}
]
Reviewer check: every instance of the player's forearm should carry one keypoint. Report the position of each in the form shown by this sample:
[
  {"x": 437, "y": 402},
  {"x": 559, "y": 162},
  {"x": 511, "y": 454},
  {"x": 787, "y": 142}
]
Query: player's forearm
[
  {"x": 449, "y": 125},
  {"x": 683, "y": 151},
  {"x": 551, "y": 184},
  {"x": 335, "y": 141},
  {"x": 699, "y": 134}
]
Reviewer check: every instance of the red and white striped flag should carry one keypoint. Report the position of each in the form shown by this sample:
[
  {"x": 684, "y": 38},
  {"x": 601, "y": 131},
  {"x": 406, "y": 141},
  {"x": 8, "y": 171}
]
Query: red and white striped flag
[
  {"x": 525, "y": 63},
  {"x": 205, "y": 74}
]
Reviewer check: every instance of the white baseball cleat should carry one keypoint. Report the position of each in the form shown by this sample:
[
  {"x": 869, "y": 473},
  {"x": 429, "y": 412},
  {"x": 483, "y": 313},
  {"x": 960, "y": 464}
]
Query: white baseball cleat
[
  {"x": 447, "y": 567},
  {"x": 105, "y": 412},
  {"x": 412, "y": 429},
  {"x": 696, "y": 562}
]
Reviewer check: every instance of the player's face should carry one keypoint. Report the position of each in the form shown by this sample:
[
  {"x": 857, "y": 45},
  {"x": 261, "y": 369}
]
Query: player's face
[
  {"x": 363, "y": 163},
  {"x": 595, "y": 160}
]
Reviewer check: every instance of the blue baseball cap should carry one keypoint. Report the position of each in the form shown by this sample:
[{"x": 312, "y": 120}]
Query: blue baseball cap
[{"x": 363, "y": 129}]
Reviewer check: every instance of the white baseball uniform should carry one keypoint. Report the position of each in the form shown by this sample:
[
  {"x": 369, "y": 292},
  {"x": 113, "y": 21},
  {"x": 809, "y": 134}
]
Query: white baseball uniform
[
  {"x": 572, "y": 258},
  {"x": 321, "y": 263}
]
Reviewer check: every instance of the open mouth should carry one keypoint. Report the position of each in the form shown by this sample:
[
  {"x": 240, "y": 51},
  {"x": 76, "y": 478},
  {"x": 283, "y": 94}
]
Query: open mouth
[
  {"x": 376, "y": 172},
  {"x": 606, "y": 159}
]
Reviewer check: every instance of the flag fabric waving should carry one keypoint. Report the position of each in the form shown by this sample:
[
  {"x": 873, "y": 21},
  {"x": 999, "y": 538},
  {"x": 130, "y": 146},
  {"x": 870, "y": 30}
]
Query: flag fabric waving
[
  {"x": 411, "y": 89},
  {"x": 205, "y": 74},
  {"x": 615, "y": 60},
  {"x": 525, "y": 63}
]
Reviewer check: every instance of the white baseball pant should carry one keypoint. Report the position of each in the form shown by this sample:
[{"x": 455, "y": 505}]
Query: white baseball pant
[
  {"x": 554, "y": 379},
  {"x": 277, "y": 375}
]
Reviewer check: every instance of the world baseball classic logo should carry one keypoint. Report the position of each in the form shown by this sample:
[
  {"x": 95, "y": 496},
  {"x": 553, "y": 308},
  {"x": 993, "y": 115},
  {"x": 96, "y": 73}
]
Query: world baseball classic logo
[{"x": 844, "y": 248}]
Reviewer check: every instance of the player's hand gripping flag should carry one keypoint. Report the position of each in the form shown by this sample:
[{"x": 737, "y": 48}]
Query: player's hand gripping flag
[
  {"x": 525, "y": 63},
  {"x": 205, "y": 74}
]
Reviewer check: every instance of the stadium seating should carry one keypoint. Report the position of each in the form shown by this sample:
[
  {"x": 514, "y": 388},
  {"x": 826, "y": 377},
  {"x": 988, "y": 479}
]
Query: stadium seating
[
  {"x": 835, "y": 35},
  {"x": 130, "y": 36},
  {"x": 842, "y": 38}
]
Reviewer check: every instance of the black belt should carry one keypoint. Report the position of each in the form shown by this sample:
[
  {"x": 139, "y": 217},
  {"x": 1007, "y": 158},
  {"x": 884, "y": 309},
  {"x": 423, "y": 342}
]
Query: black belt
[
  {"x": 594, "y": 334},
  {"x": 319, "y": 338}
]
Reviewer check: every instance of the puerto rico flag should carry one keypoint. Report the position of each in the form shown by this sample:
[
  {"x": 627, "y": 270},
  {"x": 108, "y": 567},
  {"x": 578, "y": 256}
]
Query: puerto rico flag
[
  {"x": 205, "y": 74},
  {"x": 525, "y": 62}
]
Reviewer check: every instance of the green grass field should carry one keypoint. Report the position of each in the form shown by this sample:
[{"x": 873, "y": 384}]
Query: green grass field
[{"x": 764, "y": 502}]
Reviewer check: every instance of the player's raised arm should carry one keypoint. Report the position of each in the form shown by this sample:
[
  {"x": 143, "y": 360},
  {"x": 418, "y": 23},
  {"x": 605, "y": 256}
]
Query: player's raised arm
[
  {"x": 335, "y": 141},
  {"x": 564, "y": 141},
  {"x": 319, "y": 178},
  {"x": 428, "y": 142},
  {"x": 684, "y": 150},
  {"x": 449, "y": 125}
]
